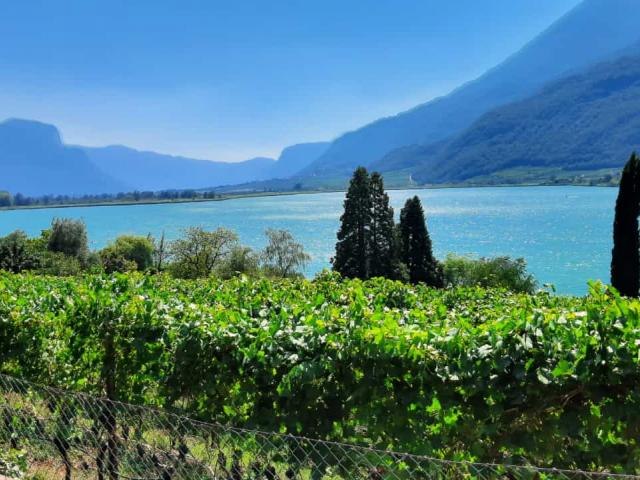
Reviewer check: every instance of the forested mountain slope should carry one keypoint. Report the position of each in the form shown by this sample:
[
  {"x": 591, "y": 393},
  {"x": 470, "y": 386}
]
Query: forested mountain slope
[{"x": 592, "y": 32}]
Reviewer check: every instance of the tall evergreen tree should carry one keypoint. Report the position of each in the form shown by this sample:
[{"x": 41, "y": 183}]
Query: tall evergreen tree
[
  {"x": 625, "y": 258},
  {"x": 382, "y": 251},
  {"x": 415, "y": 245},
  {"x": 352, "y": 256}
]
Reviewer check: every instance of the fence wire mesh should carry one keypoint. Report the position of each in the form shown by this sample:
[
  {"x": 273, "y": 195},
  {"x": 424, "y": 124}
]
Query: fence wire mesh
[{"x": 76, "y": 436}]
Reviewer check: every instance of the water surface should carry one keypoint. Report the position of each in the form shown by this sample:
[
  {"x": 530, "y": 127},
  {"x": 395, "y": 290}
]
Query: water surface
[{"x": 564, "y": 233}]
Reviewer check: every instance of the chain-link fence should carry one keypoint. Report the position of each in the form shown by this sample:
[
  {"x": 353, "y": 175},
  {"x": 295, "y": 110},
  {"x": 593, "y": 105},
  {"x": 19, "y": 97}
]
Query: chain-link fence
[{"x": 76, "y": 436}]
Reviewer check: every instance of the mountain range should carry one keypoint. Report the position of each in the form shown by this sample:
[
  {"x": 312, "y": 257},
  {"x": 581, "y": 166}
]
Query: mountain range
[
  {"x": 35, "y": 161},
  {"x": 593, "y": 31},
  {"x": 569, "y": 99},
  {"x": 586, "y": 121}
]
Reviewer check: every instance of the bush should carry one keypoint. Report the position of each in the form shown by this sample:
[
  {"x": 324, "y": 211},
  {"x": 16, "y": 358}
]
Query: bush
[
  {"x": 69, "y": 236},
  {"x": 113, "y": 260},
  {"x": 15, "y": 254},
  {"x": 498, "y": 272},
  {"x": 59, "y": 264},
  {"x": 241, "y": 260},
  {"x": 125, "y": 250}
]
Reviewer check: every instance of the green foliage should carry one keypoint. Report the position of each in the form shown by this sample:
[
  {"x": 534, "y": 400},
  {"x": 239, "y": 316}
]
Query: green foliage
[
  {"x": 283, "y": 257},
  {"x": 127, "y": 253},
  {"x": 240, "y": 261},
  {"x": 113, "y": 260},
  {"x": 59, "y": 264},
  {"x": 13, "y": 464},
  {"x": 498, "y": 272},
  {"x": 460, "y": 373},
  {"x": 15, "y": 253},
  {"x": 200, "y": 252},
  {"x": 625, "y": 256},
  {"x": 69, "y": 236}
]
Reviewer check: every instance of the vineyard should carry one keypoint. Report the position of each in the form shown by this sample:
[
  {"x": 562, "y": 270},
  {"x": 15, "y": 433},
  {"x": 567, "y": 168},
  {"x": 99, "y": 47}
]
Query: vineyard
[{"x": 460, "y": 374}]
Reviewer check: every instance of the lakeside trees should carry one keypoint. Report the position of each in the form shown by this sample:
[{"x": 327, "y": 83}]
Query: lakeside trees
[
  {"x": 625, "y": 256},
  {"x": 63, "y": 250},
  {"x": 498, "y": 272},
  {"x": 415, "y": 246},
  {"x": 283, "y": 257},
  {"x": 199, "y": 252},
  {"x": 382, "y": 241},
  {"x": 369, "y": 243},
  {"x": 19, "y": 200},
  {"x": 352, "y": 250}
]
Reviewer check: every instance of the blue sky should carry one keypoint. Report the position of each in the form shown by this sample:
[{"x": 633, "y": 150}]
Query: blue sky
[{"x": 237, "y": 79}]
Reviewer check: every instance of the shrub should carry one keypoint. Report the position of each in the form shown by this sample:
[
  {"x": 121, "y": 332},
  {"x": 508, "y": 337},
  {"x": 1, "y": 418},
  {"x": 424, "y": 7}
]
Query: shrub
[
  {"x": 69, "y": 236},
  {"x": 130, "y": 248},
  {"x": 500, "y": 272},
  {"x": 241, "y": 260},
  {"x": 15, "y": 254},
  {"x": 59, "y": 264},
  {"x": 113, "y": 260}
]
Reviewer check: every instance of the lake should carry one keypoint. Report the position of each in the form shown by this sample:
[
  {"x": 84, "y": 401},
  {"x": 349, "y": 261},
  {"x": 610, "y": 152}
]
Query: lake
[{"x": 564, "y": 233}]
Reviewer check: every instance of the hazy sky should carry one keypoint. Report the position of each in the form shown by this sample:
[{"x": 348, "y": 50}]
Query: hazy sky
[{"x": 236, "y": 79}]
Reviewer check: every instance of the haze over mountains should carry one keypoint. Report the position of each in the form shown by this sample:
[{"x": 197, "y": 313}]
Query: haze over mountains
[
  {"x": 591, "y": 32},
  {"x": 154, "y": 171},
  {"x": 569, "y": 99},
  {"x": 35, "y": 161}
]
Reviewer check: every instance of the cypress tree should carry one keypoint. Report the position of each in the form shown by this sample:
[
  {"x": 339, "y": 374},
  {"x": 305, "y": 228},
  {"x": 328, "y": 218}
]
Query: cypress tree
[
  {"x": 415, "y": 244},
  {"x": 625, "y": 258},
  {"x": 352, "y": 256},
  {"x": 382, "y": 262}
]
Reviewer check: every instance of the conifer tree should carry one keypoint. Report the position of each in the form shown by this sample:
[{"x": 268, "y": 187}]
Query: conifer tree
[
  {"x": 382, "y": 247},
  {"x": 625, "y": 258},
  {"x": 415, "y": 244},
  {"x": 352, "y": 256}
]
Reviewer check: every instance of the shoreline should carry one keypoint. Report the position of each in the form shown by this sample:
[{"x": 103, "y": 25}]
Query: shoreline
[{"x": 275, "y": 194}]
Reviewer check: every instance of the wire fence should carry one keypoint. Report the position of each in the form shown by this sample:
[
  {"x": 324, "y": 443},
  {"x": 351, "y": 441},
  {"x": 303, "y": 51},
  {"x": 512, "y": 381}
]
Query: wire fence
[{"x": 76, "y": 436}]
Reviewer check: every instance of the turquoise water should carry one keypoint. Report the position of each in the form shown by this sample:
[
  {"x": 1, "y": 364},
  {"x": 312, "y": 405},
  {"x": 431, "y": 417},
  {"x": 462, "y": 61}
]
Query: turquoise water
[{"x": 563, "y": 232}]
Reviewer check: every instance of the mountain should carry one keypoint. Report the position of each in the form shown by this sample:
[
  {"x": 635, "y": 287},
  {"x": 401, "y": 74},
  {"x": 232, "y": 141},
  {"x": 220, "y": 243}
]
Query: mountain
[
  {"x": 295, "y": 158},
  {"x": 34, "y": 161},
  {"x": 591, "y": 32},
  {"x": 590, "y": 120},
  {"x": 155, "y": 171}
]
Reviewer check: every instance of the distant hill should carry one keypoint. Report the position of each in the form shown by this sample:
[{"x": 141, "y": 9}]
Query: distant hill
[
  {"x": 34, "y": 161},
  {"x": 590, "y": 120},
  {"x": 295, "y": 158},
  {"x": 156, "y": 171},
  {"x": 592, "y": 32}
]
